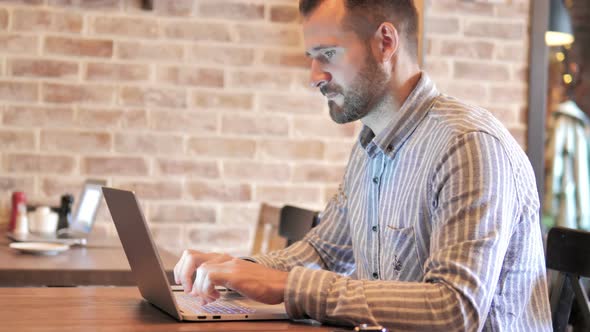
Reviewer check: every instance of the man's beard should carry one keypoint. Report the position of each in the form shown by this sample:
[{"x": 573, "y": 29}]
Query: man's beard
[{"x": 360, "y": 97}]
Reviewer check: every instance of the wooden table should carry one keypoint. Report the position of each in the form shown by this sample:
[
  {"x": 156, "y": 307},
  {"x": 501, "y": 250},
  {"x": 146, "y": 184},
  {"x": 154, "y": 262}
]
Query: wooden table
[
  {"x": 107, "y": 309},
  {"x": 101, "y": 263}
]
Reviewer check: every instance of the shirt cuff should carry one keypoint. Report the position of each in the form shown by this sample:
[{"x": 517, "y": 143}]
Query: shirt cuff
[{"x": 307, "y": 292}]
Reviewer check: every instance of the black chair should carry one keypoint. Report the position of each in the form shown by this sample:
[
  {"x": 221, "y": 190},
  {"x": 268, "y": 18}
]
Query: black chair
[
  {"x": 279, "y": 227},
  {"x": 568, "y": 252},
  {"x": 295, "y": 222}
]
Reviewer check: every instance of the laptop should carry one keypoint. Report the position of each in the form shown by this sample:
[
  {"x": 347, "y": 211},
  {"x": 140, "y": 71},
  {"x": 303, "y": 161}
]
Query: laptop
[
  {"x": 81, "y": 222},
  {"x": 151, "y": 279}
]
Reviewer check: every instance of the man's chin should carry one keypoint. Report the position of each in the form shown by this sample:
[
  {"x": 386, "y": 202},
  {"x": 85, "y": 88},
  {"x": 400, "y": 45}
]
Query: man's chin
[{"x": 337, "y": 114}]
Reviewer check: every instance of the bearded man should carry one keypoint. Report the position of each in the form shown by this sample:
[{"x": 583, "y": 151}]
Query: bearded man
[{"x": 436, "y": 225}]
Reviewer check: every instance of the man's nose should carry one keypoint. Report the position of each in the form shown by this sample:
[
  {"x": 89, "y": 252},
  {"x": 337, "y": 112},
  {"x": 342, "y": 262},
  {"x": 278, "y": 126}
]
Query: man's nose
[{"x": 319, "y": 77}]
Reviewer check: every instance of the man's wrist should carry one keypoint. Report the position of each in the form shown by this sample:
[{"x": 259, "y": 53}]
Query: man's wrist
[{"x": 280, "y": 286}]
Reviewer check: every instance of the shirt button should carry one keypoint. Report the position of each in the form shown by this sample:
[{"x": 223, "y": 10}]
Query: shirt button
[
  {"x": 375, "y": 275},
  {"x": 376, "y": 180},
  {"x": 374, "y": 228}
]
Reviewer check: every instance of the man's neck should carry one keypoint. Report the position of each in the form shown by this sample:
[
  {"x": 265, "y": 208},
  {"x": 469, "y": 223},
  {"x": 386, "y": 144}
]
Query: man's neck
[{"x": 385, "y": 109}]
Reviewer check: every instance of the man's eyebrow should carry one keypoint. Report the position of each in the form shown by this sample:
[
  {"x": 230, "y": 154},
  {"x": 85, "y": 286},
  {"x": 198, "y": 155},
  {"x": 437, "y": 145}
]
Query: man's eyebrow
[{"x": 318, "y": 48}]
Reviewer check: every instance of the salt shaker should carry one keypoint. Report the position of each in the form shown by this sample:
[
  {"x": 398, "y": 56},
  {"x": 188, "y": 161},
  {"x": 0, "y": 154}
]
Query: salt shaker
[
  {"x": 22, "y": 223},
  {"x": 18, "y": 197}
]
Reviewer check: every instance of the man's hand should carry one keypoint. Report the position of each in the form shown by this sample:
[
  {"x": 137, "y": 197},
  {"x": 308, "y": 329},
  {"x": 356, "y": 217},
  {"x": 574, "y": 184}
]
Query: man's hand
[
  {"x": 252, "y": 280},
  {"x": 190, "y": 260}
]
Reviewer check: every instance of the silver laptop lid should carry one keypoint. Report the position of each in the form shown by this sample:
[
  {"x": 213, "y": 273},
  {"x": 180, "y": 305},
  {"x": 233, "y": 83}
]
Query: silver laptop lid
[
  {"x": 140, "y": 250},
  {"x": 87, "y": 206}
]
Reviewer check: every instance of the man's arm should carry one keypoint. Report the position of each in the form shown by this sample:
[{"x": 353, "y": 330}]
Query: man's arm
[
  {"x": 474, "y": 209},
  {"x": 327, "y": 246}
]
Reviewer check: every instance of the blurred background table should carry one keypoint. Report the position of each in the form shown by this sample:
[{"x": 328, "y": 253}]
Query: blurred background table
[{"x": 101, "y": 262}]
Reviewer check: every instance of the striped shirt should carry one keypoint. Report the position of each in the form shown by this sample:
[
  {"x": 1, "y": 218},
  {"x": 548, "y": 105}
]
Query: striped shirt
[{"x": 435, "y": 227}]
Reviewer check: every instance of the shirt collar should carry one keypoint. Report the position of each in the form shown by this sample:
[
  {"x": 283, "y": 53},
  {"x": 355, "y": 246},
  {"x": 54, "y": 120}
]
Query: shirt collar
[{"x": 405, "y": 121}]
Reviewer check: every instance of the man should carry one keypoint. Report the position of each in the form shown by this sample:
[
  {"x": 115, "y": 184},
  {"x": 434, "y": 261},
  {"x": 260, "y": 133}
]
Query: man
[{"x": 436, "y": 225}]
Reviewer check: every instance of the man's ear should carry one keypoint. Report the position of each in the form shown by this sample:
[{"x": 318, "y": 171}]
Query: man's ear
[{"x": 387, "y": 40}]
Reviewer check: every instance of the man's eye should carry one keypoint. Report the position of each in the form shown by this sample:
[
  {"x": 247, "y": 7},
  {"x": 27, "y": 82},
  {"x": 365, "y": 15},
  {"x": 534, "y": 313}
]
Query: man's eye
[{"x": 329, "y": 54}]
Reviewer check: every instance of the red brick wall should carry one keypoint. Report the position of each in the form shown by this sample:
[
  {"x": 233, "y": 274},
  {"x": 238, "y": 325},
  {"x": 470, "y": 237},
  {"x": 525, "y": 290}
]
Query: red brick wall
[
  {"x": 478, "y": 51},
  {"x": 203, "y": 107}
]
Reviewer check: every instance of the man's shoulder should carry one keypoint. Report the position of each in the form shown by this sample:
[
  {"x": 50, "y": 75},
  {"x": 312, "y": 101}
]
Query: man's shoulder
[
  {"x": 458, "y": 119},
  {"x": 450, "y": 119},
  {"x": 461, "y": 117}
]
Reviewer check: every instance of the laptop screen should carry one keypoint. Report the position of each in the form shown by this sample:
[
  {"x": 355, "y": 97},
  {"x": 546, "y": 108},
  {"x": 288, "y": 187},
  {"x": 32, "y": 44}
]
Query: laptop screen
[{"x": 88, "y": 204}]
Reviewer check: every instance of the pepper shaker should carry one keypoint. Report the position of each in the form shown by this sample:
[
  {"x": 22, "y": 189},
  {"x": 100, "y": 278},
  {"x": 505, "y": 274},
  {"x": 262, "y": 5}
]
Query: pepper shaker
[{"x": 65, "y": 211}]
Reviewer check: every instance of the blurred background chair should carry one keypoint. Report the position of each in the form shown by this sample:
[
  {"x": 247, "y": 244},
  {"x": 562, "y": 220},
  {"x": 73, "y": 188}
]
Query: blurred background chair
[
  {"x": 295, "y": 222},
  {"x": 568, "y": 253},
  {"x": 279, "y": 227}
]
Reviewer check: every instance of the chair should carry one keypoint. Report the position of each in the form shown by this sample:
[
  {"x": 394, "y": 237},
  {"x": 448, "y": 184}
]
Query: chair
[
  {"x": 280, "y": 227},
  {"x": 568, "y": 252},
  {"x": 295, "y": 222}
]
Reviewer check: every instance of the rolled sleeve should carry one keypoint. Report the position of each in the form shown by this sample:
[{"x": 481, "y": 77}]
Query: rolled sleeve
[{"x": 307, "y": 292}]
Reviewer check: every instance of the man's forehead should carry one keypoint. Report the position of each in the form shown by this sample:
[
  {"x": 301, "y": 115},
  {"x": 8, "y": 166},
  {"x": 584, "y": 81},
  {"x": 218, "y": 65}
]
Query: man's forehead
[
  {"x": 323, "y": 26},
  {"x": 317, "y": 43},
  {"x": 329, "y": 8}
]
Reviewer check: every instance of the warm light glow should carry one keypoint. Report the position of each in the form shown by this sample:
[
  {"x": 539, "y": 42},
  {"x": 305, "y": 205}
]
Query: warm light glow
[
  {"x": 567, "y": 78},
  {"x": 560, "y": 56},
  {"x": 553, "y": 38}
]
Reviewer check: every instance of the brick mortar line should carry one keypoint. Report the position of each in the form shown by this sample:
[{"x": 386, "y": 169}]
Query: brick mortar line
[
  {"x": 144, "y": 83},
  {"x": 291, "y": 163}
]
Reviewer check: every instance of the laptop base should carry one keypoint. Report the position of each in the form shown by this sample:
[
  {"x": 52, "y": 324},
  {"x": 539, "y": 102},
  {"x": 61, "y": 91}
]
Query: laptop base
[{"x": 228, "y": 308}]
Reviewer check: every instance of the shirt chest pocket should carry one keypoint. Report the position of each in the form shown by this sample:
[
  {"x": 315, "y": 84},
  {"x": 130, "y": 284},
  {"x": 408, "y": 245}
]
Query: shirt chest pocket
[{"x": 399, "y": 258}]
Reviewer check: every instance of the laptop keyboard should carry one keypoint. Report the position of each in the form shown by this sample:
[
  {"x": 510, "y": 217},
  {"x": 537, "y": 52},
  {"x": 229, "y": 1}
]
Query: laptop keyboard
[{"x": 189, "y": 303}]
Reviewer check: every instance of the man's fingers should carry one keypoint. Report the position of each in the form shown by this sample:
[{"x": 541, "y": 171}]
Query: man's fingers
[
  {"x": 178, "y": 266},
  {"x": 187, "y": 271},
  {"x": 220, "y": 278},
  {"x": 204, "y": 286},
  {"x": 180, "y": 272},
  {"x": 210, "y": 293},
  {"x": 199, "y": 280},
  {"x": 190, "y": 263}
]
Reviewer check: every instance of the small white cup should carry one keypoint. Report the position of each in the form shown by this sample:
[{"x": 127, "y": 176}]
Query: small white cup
[
  {"x": 50, "y": 222},
  {"x": 43, "y": 221}
]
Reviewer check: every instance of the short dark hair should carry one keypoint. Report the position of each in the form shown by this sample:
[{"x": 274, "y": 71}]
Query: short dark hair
[{"x": 365, "y": 16}]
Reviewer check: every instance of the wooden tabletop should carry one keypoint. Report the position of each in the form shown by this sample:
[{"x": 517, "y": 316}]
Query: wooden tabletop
[
  {"x": 101, "y": 263},
  {"x": 107, "y": 309}
]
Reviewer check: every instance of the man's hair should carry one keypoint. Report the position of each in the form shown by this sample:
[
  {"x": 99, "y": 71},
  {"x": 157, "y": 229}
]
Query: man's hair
[{"x": 365, "y": 16}]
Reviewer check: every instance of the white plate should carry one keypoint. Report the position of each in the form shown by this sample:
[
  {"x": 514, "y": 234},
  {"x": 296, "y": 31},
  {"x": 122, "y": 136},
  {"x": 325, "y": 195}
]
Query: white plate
[{"x": 39, "y": 248}]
